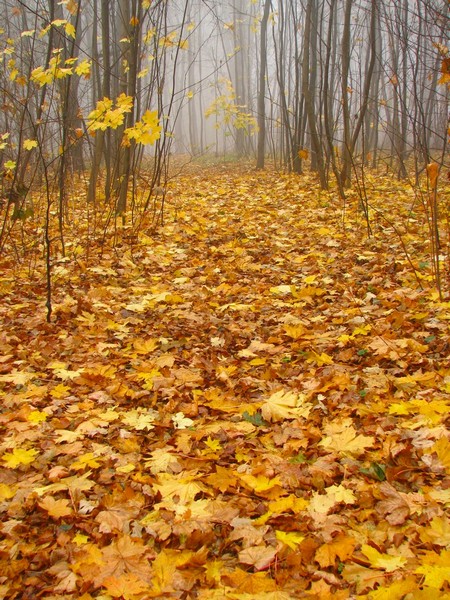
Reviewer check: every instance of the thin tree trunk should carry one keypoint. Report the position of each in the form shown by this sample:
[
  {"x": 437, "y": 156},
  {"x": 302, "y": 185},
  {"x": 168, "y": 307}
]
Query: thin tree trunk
[
  {"x": 262, "y": 88},
  {"x": 308, "y": 95}
]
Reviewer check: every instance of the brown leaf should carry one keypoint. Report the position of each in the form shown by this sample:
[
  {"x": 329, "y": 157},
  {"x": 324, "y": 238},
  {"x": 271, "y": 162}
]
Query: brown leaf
[
  {"x": 125, "y": 555},
  {"x": 259, "y": 557},
  {"x": 394, "y": 508}
]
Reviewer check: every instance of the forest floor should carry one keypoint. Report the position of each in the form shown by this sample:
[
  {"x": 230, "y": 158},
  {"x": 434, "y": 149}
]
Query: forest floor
[{"x": 251, "y": 403}]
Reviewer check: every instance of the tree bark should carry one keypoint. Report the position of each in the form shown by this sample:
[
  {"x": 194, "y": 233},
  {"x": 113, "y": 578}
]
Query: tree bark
[{"x": 262, "y": 88}]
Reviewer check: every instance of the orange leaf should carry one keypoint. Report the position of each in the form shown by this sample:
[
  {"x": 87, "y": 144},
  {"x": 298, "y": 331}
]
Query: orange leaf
[
  {"x": 127, "y": 586},
  {"x": 222, "y": 479},
  {"x": 341, "y": 547},
  {"x": 56, "y": 508}
]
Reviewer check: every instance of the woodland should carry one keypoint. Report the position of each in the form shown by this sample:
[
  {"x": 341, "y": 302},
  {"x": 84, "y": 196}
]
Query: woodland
[{"x": 225, "y": 300}]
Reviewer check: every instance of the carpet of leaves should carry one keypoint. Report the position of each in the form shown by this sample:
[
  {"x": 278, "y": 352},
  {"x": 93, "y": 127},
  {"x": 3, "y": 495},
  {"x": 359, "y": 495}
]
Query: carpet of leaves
[{"x": 250, "y": 403}]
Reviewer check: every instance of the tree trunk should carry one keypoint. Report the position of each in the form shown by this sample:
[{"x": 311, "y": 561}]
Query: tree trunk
[
  {"x": 262, "y": 88},
  {"x": 308, "y": 94}
]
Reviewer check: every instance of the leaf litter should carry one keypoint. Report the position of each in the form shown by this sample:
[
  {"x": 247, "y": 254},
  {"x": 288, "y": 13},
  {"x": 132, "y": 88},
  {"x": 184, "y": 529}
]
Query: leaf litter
[{"x": 250, "y": 403}]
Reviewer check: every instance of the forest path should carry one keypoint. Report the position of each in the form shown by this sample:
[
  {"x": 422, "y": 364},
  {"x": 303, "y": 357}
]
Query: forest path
[{"x": 250, "y": 403}]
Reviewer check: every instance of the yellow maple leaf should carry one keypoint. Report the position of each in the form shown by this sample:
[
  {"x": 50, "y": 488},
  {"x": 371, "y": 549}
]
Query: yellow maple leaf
[
  {"x": 307, "y": 292},
  {"x": 65, "y": 374},
  {"x": 435, "y": 569},
  {"x": 128, "y": 468},
  {"x": 70, "y": 30},
  {"x": 344, "y": 439},
  {"x": 67, "y": 436},
  {"x": 256, "y": 362},
  {"x": 442, "y": 449},
  {"x": 396, "y": 591},
  {"x": 17, "y": 377},
  {"x": 138, "y": 419},
  {"x": 29, "y": 144},
  {"x": 184, "y": 489},
  {"x": 399, "y": 408},
  {"x": 320, "y": 503},
  {"x": 438, "y": 533},
  {"x": 56, "y": 508},
  {"x": 6, "y": 492},
  {"x": 19, "y": 456},
  {"x": 363, "y": 330},
  {"x": 281, "y": 290},
  {"x": 60, "y": 391},
  {"x": 161, "y": 460},
  {"x": 259, "y": 483},
  {"x": 164, "y": 567},
  {"x": 334, "y": 494},
  {"x": 383, "y": 561},
  {"x": 433, "y": 410},
  {"x": 319, "y": 359},
  {"x": 83, "y": 69},
  {"x": 291, "y": 538},
  {"x": 80, "y": 539},
  {"x": 285, "y": 404},
  {"x": 294, "y": 331},
  {"x": 213, "y": 571},
  {"x": 87, "y": 557},
  {"x": 441, "y": 496},
  {"x": 288, "y": 503},
  {"x": 36, "y": 416},
  {"x": 146, "y": 131},
  {"x": 86, "y": 460},
  {"x": 341, "y": 493},
  {"x": 145, "y": 346}
]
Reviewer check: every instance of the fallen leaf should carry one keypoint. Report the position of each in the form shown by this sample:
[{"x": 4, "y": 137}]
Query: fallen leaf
[
  {"x": 285, "y": 404},
  {"x": 259, "y": 557},
  {"x": 19, "y": 456},
  {"x": 56, "y": 508},
  {"x": 383, "y": 561},
  {"x": 341, "y": 547},
  {"x": 127, "y": 586},
  {"x": 126, "y": 555}
]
